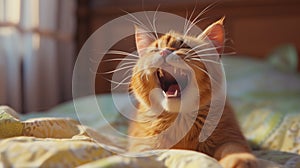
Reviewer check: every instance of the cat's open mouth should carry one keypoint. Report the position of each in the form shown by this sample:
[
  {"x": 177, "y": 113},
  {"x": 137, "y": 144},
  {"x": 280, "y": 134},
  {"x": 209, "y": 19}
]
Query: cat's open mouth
[{"x": 172, "y": 81}]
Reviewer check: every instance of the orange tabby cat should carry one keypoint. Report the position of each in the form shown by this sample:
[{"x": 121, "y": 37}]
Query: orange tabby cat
[{"x": 167, "y": 90}]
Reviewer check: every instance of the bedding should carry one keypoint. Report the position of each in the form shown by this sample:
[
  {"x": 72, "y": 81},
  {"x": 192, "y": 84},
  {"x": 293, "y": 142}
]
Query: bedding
[
  {"x": 264, "y": 94},
  {"x": 63, "y": 142}
]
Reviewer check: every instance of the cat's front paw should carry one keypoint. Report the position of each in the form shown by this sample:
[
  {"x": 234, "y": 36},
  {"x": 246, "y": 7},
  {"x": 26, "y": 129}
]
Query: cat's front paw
[{"x": 239, "y": 160}]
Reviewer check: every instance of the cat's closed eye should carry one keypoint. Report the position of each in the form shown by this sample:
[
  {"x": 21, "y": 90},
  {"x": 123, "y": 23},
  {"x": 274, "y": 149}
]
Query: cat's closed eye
[{"x": 153, "y": 50}]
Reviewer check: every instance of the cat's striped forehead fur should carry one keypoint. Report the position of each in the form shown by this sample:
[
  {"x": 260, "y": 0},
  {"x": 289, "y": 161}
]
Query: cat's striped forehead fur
[{"x": 176, "y": 41}]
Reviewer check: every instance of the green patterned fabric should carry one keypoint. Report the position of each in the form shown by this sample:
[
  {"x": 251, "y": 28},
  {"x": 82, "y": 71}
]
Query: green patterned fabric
[
  {"x": 57, "y": 142},
  {"x": 9, "y": 125},
  {"x": 266, "y": 99}
]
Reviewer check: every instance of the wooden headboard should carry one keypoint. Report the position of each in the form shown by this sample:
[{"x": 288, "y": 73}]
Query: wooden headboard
[{"x": 254, "y": 27}]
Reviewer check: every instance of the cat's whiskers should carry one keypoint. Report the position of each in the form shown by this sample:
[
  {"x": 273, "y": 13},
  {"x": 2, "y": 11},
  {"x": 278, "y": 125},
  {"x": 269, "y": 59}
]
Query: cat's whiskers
[
  {"x": 200, "y": 45},
  {"x": 142, "y": 25},
  {"x": 204, "y": 60},
  {"x": 120, "y": 59},
  {"x": 199, "y": 55},
  {"x": 199, "y": 68},
  {"x": 190, "y": 24},
  {"x": 119, "y": 83},
  {"x": 195, "y": 20},
  {"x": 129, "y": 70},
  {"x": 136, "y": 20},
  {"x": 194, "y": 24},
  {"x": 127, "y": 63},
  {"x": 229, "y": 53},
  {"x": 203, "y": 52},
  {"x": 116, "y": 70},
  {"x": 122, "y": 82},
  {"x": 124, "y": 53},
  {"x": 209, "y": 49},
  {"x": 211, "y": 54},
  {"x": 202, "y": 55},
  {"x": 182, "y": 44},
  {"x": 153, "y": 24},
  {"x": 126, "y": 72},
  {"x": 186, "y": 22},
  {"x": 194, "y": 48}
]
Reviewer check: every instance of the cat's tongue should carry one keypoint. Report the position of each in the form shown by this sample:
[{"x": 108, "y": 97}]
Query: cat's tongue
[{"x": 173, "y": 91}]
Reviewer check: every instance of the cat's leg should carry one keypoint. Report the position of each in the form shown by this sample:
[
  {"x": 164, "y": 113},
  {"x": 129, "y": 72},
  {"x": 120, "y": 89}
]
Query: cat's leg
[
  {"x": 139, "y": 138},
  {"x": 232, "y": 149},
  {"x": 235, "y": 155}
]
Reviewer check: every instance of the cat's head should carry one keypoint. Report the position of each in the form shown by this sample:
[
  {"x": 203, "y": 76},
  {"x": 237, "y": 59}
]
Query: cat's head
[{"x": 171, "y": 70}]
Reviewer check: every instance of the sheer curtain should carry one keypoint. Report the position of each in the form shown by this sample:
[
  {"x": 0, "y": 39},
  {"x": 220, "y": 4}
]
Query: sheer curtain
[{"x": 36, "y": 53}]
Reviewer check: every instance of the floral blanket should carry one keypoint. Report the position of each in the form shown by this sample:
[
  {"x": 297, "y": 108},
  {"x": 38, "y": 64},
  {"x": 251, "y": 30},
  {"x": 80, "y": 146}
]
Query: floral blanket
[{"x": 63, "y": 142}]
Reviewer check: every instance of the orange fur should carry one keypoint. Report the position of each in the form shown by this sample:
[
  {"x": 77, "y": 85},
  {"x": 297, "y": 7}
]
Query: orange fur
[{"x": 227, "y": 144}]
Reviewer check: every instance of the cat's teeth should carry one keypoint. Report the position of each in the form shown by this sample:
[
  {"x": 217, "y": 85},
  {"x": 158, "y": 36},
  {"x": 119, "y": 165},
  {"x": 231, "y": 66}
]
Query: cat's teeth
[
  {"x": 175, "y": 94},
  {"x": 164, "y": 93},
  {"x": 161, "y": 74},
  {"x": 175, "y": 69}
]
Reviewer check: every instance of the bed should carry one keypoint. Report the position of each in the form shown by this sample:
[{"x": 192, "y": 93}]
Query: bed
[{"x": 265, "y": 95}]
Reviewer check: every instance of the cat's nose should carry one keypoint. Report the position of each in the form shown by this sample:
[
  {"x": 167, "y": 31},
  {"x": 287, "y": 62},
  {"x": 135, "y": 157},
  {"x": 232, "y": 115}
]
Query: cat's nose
[{"x": 166, "y": 52}]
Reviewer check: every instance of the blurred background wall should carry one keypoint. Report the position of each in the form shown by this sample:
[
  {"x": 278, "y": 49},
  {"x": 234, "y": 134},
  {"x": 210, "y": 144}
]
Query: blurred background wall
[
  {"x": 36, "y": 53},
  {"x": 253, "y": 28},
  {"x": 40, "y": 39}
]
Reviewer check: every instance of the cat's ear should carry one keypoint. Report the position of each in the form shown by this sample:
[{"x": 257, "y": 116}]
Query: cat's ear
[
  {"x": 143, "y": 39},
  {"x": 215, "y": 32}
]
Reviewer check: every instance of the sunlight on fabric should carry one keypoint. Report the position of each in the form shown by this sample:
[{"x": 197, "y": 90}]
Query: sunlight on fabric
[
  {"x": 30, "y": 52},
  {"x": 36, "y": 41},
  {"x": 9, "y": 13},
  {"x": 30, "y": 14},
  {"x": 34, "y": 15},
  {"x": 6, "y": 31},
  {"x": 30, "y": 20},
  {"x": 10, "y": 10}
]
